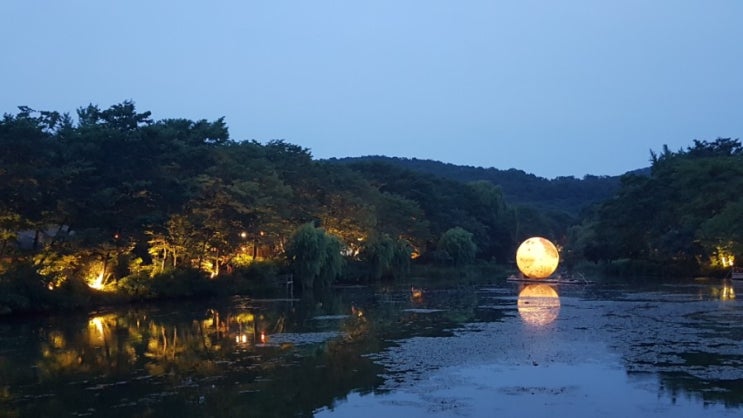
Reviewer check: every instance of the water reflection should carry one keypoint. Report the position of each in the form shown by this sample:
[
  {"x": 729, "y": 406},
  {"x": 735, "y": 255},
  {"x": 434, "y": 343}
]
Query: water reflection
[
  {"x": 538, "y": 304},
  {"x": 724, "y": 291},
  {"x": 221, "y": 360},
  {"x": 242, "y": 357},
  {"x": 728, "y": 291}
]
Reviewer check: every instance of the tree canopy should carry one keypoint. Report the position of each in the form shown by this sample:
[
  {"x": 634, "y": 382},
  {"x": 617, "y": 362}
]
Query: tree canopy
[
  {"x": 113, "y": 192},
  {"x": 686, "y": 212}
]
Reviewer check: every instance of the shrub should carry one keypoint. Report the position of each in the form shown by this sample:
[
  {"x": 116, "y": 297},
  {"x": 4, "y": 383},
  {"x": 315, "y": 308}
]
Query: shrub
[
  {"x": 182, "y": 283},
  {"x": 458, "y": 245}
]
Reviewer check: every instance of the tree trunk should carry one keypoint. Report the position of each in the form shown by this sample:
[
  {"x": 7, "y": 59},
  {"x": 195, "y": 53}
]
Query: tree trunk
[
  {"x": 105, "y": 265},
  {"x": 36, "y": 240}
]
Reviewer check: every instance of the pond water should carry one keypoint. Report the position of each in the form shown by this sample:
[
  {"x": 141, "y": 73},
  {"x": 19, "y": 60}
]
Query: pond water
[{"x": 608, "y": 349}]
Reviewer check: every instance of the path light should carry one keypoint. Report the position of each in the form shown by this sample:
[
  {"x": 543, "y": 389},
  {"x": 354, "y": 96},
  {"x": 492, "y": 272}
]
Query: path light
[
  {"x": 538, "y": 304},
  {"x": 537, "y": 258}
]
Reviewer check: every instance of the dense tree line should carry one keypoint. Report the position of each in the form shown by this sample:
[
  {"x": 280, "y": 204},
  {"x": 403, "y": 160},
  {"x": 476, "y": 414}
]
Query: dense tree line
[
  {"x": 565, "y": 194},
  {"x": 478, "y": 207},
  {"x": 685, "y": 217},
  {"x": 114, "y": 197}
]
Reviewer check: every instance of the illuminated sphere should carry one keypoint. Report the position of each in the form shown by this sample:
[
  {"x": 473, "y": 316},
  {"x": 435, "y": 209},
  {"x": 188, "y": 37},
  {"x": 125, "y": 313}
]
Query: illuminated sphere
[
  {"x": 538, "y": 304},
  {"x": 537, "y": 258}
]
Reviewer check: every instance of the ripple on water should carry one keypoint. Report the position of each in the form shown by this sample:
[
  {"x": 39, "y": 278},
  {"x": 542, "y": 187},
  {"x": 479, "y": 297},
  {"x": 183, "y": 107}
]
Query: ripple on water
[{"x": 303, "y": 338}]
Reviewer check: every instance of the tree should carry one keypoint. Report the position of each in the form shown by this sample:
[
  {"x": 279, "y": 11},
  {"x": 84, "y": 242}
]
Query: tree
[
  {"x": 314, "y": 256},
  {"x": 386, "y": 257},
  {"x": 682, "y": 214},
  {"x": 378, "y": 254},
  {"x": 458, "y": 245}
]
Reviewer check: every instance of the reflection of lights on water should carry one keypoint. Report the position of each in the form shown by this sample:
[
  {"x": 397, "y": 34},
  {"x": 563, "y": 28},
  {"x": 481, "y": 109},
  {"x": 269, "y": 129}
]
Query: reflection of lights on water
[
  {"x": 97, "y": 324},
  {"x": 727, "y": 292},
  {"x": 538, "y": 304}
]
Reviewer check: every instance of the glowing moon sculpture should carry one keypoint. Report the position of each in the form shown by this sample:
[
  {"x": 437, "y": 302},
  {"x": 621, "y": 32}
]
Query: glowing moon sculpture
[
  {"x": 538, "y": 304},
  {"x": 537, "y": 258}
]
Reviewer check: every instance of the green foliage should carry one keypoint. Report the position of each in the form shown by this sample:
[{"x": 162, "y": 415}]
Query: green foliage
[
  {"x": 562, "y": 194},
  {"x": 458, "y": 245},
  {"x": 23, "y": 289},
  {"x": 386, "y": 257},
  {"x": 137, "y": 286},
  {"x": 314, "y": 257},
  {"x": 305, "y": 254},
  {"x": 114, "y": 192},
  {"x": 258, "y": 277},
  {"x": 378, "y": 253},
  {"x": 332, "y": 265},
  {"x": 137, "y": 194},
  {"x": 685, "y": 213},
  {"x": 400, "y": 264},
  {"x": 183, "y": 283}
]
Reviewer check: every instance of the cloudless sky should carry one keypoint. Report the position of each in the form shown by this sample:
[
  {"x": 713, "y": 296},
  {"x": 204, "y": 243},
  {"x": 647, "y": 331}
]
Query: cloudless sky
[{"x": 554, "y": 88}]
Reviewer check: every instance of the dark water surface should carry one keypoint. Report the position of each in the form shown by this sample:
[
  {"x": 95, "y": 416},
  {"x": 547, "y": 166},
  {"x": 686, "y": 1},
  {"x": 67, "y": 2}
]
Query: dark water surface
[{"x": 608, "y": 349}]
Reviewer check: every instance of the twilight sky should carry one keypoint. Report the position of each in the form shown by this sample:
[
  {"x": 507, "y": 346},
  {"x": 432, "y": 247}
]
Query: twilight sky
[{"x": 554, "y": 88}]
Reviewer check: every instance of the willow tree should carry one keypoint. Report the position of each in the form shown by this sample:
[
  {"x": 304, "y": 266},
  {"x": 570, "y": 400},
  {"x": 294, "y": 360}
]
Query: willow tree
[
  {"x": 314, "y": 256},
  {"x": 386, "y": 256}
]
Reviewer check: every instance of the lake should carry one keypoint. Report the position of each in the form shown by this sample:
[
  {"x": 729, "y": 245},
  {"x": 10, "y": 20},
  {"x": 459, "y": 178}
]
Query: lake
[{"x": 614, "y": 348}]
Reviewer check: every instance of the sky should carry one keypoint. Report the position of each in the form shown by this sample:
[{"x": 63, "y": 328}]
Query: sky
[{"x": 554, "y": 88}]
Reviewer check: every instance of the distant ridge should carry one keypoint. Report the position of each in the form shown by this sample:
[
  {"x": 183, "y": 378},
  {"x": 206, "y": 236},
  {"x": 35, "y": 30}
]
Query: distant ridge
[{"x": 565, "y": 194}]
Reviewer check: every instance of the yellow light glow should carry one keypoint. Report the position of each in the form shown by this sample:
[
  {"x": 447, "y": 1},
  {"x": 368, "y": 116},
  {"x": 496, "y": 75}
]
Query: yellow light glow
[
  {"x": 538, "y": 304},
  {"x": 244, "y": 317},
  {"x": 722, "y": 257},
  {"x": 537, "y": 258},
  {"x": 96, "y": 325},
  {"x": 728, "y": 292},
  {"x": 97, "y": 283},
  {"x": 57, "y": 339}
]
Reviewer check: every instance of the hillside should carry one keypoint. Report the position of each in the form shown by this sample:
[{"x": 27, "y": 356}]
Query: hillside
[{"x": 565, "y": 194}]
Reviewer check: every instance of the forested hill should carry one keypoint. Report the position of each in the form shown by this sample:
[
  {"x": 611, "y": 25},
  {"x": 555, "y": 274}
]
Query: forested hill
[{"x": 567, "y": 194}]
